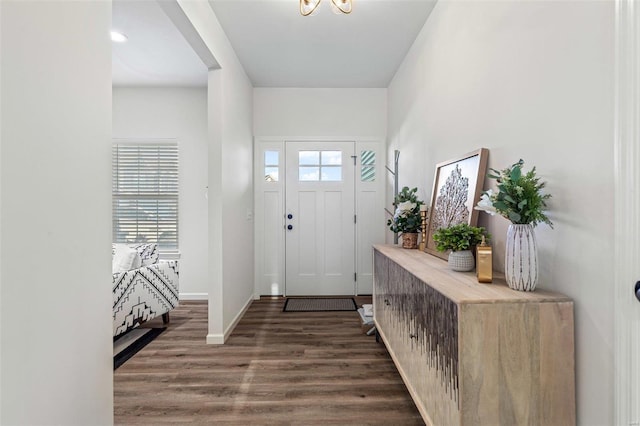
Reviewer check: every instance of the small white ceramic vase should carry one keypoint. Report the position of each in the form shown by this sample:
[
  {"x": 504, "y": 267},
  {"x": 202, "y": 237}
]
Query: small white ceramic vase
[{"x": 461, "y": 261}]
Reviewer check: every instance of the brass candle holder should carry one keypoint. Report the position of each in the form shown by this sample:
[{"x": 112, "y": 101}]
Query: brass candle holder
[{"x": 423, "y": 217}]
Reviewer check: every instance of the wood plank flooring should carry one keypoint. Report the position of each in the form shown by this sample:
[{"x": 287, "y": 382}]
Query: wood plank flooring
[{"x": 286, "y": 368}]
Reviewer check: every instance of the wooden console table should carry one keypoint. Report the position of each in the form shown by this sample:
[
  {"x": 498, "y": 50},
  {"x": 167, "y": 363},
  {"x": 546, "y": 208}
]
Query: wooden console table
[{"x": 470, "y": 353}]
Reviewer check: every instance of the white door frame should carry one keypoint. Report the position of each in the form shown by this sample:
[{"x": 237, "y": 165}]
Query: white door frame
[
  {"x": 269, "y": 264},
  {"x": 627, "y": 214}
]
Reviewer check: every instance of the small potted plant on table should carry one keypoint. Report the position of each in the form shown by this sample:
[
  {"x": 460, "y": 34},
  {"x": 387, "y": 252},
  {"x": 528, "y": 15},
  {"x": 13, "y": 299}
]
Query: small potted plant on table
[
  {"x": 406, "y": 219},
  {"x": 459, "y": 239}
]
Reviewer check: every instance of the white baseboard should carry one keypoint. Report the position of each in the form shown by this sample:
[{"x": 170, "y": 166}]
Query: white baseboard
[
  {"x": 215, "y": 339},
  {"x": 237, "y": 319},
  {"x": 219, "y": 339},
  {"x": 194, "y": 296}
]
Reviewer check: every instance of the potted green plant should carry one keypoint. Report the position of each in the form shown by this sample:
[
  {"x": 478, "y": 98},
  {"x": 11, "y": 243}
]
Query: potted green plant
[
  {"x": 406, "y": 219},
  {"x": 521, "y": 199},
  {"x": 459, "y": 239}
]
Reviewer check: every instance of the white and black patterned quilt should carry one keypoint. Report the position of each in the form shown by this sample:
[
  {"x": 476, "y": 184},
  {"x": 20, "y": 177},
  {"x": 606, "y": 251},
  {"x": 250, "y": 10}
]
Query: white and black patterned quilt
[
  {"x": 143, "y": 294},
  {"x": 149, "y": 254}
]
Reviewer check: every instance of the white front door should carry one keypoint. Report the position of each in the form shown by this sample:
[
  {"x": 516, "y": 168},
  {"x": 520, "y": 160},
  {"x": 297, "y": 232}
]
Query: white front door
[{"x": 320, "y": 218}]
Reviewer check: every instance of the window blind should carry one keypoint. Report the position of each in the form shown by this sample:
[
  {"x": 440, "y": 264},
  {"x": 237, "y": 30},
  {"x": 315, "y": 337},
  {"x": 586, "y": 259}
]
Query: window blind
[{"x": 145, "y": 193}]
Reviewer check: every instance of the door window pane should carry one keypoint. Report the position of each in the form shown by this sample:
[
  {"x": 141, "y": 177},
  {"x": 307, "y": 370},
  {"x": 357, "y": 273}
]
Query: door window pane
[
  {"x": 331, "y": 158},
  {"x": 309, "y": 158},
  {"x": 271, "y": 174},
  {"x": 368, "y": 174},
  {"x": 368, "y": 158},
  {"x": 307, "y": 174},
  {"x": 332, "y": 174},
  {"x": 271, "y": 158}
]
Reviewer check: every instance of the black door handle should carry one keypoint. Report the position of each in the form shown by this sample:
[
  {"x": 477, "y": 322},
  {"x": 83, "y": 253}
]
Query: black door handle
[
  {"x": 289, "y": 227},
  {"x": 289, "y": 216},
  {"x": 637, "y": 290}
]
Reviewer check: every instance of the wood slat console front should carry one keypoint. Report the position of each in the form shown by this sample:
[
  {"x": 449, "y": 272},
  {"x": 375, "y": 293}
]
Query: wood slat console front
[{"x": 470, "y": 353}]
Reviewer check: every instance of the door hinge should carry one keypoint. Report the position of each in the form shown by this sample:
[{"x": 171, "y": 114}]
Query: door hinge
[
  {"x": 355, "y": 276},
  {"x": 355, "y": 218},
  {"x": 355, "y": 157}
]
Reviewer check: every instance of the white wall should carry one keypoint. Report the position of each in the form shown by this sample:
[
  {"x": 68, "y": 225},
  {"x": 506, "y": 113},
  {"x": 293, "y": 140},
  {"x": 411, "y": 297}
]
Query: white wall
[
  {"x": 179, "y": 113},
  {"x": 531, "y": 80},
  {"x": 1, "y": 339},
  {"x": 237, "y": 183},
  {"x": 320, "y": 112},
  {"x": 55, "y": 283},
  {"x": 230, "y": 100}
]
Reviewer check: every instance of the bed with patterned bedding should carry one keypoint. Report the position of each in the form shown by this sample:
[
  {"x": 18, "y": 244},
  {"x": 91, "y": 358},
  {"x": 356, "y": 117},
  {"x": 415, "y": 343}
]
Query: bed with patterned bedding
[{"x": 145, "y": 292}]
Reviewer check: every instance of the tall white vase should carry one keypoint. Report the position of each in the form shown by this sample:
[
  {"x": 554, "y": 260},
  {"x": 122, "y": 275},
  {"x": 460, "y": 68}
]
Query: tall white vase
[{"x": 521, "y": 258}]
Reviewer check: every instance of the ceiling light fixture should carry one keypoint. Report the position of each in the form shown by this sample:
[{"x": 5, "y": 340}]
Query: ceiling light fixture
[
  {"x": 118, "y": 37},
  {"x": 307, "y": 7}
]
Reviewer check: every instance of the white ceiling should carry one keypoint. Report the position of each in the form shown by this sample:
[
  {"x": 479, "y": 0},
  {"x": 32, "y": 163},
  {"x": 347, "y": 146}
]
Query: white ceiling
[
  {"x": 156, "y": 53},
  {"x": 280, "y": 48},
  {"x": 275, "y": 44}
]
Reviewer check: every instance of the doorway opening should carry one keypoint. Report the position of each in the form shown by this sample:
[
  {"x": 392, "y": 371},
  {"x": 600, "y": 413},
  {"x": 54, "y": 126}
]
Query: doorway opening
[{"x": 319, "y": 208}]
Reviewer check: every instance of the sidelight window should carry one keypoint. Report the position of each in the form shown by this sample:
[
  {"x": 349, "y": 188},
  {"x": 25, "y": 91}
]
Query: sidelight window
[
  {"x": 368, "y": 166},
  {"x": 271, "y": 166}
]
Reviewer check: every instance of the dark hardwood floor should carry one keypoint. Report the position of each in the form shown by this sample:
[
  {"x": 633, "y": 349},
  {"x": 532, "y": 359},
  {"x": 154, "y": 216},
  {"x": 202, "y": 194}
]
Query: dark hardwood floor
[{"x": 287, "y": 368}]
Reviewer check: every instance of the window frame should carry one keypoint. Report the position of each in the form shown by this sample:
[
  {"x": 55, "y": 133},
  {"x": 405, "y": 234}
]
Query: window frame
[{"x": 170, "y": 157}]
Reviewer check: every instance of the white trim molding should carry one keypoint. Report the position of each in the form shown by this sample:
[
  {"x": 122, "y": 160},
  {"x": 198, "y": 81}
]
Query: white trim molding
[
  {"x": 627, "y": 213},
  {"x": 215, "y": 339},
  {"x": 194, "y": 296},
  {"x": 220, "y": 339},
  {"x": 237, "y": 318}
]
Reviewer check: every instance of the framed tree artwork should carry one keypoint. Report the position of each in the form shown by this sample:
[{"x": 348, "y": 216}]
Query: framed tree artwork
[{"x": 457, "y": 187}]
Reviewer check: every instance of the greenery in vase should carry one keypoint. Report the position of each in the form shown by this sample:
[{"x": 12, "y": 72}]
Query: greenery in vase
[
  {"x": 459, "y": 237},
  {"x": 519, "y": 197},
  {"x": 406, "y": 219}
]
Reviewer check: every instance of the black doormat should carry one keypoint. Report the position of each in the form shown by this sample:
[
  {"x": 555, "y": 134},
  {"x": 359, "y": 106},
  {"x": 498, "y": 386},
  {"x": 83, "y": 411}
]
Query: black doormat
[
  {"x": 130, "y": 343},
  {"x": 318, "y": 304}
]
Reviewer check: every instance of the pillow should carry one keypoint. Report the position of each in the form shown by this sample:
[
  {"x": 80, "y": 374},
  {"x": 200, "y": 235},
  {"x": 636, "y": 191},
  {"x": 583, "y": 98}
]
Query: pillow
[
  {"x": 125, "y": 259},
  {"x": 148, "y": 253}
]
